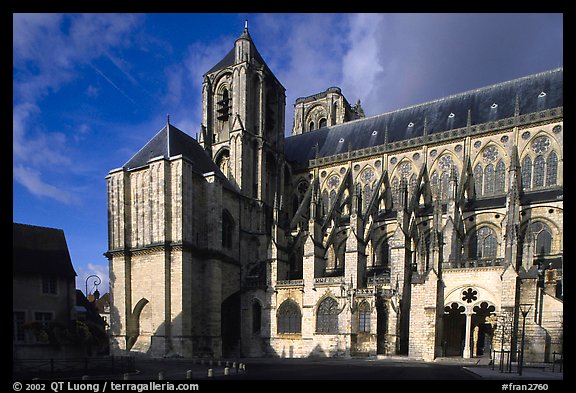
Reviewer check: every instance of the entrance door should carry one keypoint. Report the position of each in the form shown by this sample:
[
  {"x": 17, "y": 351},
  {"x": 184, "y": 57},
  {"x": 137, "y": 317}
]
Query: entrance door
[
  {"x": 380, "y": 327},
  {"x": 454, "y": 330},
  {"x": 230, "y": 325},
  {"x": 482, "y": 337}
]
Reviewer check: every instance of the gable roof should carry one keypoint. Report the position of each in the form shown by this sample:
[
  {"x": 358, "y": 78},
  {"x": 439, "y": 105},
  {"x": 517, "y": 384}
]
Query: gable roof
[
  {"x": 171, "y": 142},
  {"x": 40, "y": 250},
  {"x": 529, "y": 94}
]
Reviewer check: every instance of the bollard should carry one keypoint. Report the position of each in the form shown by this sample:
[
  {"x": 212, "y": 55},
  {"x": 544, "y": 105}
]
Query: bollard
[
  {"x": 234, "y": 365},
  {"x": 226, "y": 371},
  {"x": 126, "y": 376},
  {"x": 210, "y": 362},
  {"x": 161, "y": 376},
  {"x": 189, "y": 374},
  {"x": 227, "y": 364},
  {"x": 219, "y": 363},
  {"x": 210, "y": 373}
]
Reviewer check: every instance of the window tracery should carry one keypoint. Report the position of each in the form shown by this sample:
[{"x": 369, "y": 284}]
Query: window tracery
[
  {"x": 327, "y": 316},
  {"x": 289, "y": 318}
]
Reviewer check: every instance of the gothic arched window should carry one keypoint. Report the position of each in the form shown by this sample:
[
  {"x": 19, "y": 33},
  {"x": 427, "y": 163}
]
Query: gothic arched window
[
  {"x": 311, "y": 126},
  {"x": 366, "y": 197},
  {"x": 489, "y": 179},
  {"x": 256, "y": 317},
  {"x": 444, "y": 185},
  {"x": 383, "y": 254},
  {"x": 289, "y": 317},
  {"x": 435, "y": 185},
  {"x": 526, "y": 172},
  {"x": 539, "y": 172},
  {"x": 327, "y": 316},
  {"x": 364, "y": 317},
  {"x": 500, "y": 180},
  {"x": 395, "y": 193},
  {"x": 322, "y": 123},
  {"x": 551, "y": 169},
  {"x": 543, "y": 238},
  {"x": 413, "y": 185},
  {"x": 478, "y": 179},
  {"x": 483, "y": 244}
]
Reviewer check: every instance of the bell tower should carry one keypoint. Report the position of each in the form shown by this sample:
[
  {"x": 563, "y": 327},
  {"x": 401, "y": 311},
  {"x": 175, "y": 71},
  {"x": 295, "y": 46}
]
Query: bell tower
[{"x": 243, "y": 106}]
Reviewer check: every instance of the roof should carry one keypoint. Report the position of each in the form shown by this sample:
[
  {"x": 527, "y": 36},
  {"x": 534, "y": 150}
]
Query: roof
[
  {"x": 171, "y": 142},
  {"x": 230, "y": 58},
  {"x": 529, "y": 94},
  {"x": 40, "y": 250}
]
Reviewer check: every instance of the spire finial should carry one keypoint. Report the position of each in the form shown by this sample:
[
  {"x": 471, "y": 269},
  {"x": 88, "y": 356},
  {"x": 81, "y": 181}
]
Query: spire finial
[
  {"x": 245, "y": 24},
  {"x": 168, "y": 119}
]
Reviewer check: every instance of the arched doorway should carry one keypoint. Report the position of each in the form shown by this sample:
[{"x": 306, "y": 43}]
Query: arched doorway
[
  {"x": 454, "y": 330},
  {"x": 380, "y": 326},
  {"x": 230, "y": 325},
  {"x": 482, "y": 330}
]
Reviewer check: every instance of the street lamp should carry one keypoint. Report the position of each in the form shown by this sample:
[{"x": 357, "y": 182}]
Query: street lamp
[
  {"x": 96, "y": 283},
  {"x": 524, "y": 309}
]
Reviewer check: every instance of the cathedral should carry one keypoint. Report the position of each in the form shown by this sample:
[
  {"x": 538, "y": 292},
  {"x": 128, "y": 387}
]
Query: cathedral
[{"x": 429, "y": 231}]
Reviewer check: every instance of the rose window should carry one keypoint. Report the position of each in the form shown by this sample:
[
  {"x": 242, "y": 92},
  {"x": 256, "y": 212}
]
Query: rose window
[
  {"x": 490, "y": 154},
  {"x": 334, "y": 181},
  {"x": 540, "y": 144},
  {"x": 367, "y": 175},
  {"x": 445, "y": 163},
  {"x": 469, "y": 295}
]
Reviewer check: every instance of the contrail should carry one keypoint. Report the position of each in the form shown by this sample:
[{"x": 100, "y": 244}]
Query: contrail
[{"x": 112, "y": 83}]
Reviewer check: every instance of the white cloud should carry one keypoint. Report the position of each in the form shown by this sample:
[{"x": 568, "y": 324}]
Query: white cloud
[
  {"x": 100, "y": 270},
  {"x": 31, "y": 180},
  {"x": 48, "y": 52}
]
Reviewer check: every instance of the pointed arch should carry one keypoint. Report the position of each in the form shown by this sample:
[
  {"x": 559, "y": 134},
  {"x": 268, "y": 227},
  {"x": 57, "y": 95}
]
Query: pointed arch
[
  {"x": 551, "y": 169},
  {"x": 500, "y": 178},
  {"x": 327, "y": 316},
  {"x": 538, "y": 180},
  {"x": 289, "y": 318},
  {"x": 526, "y": 167}
]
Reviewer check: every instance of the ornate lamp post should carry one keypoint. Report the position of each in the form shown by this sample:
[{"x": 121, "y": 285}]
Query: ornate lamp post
[
  {"x": 97, "y": 282},
  {"x": 524, "y": 309}
]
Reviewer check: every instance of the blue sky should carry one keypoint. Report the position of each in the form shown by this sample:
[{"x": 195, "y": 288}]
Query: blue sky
[{"x": 89, "y": 90}]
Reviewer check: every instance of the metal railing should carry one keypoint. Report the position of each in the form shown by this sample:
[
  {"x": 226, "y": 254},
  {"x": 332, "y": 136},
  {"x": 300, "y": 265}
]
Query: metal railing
[{"x": 506, "y": 362}]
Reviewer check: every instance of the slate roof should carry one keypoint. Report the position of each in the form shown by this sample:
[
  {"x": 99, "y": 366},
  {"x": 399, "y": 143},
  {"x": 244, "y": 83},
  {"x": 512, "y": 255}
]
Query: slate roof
[
  {"x": 171, "y": 142},
  {"x": 487, "y": 104},
  {"x": 230, "y": 58},
  {"x": 40, "y": 250}
]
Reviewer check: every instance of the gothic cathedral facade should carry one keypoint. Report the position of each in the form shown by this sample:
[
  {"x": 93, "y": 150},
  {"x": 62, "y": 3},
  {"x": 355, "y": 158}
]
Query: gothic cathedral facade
[{"x": 425, "y": 231}]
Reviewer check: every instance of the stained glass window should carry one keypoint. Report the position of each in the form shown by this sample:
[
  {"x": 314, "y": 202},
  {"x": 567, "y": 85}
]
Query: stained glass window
[
  {"x": 539, "y": 171},
  {"x": 489, "y": 179},
  {"x": 395, "y": 192},
  {"x": 483, "y": 244},
  {"x": 500, "y": 177},
  {"x": 526, "y": 172},
  {"x": 434, "y": 184},
  {"x": 478, "y": 178},
  {"x": 364, "y": 317},
  {"x": 413, "y": 185},
  {"x": 332, "y": 199},
  {"x": 327, "y": 317},
  {"x": 551, "y": 169},
  {"x": 289, "y": 318},
  {"x": 543, "y": 237},
  {"x": 384, "y": 254},
  {"x": 366, "y": 197},
  {"x": 325, "y": 202},
  {"x": 444, "y": 186}
]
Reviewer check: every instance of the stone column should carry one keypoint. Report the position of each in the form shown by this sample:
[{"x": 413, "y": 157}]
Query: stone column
[{"x": 467, "y": 349}]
